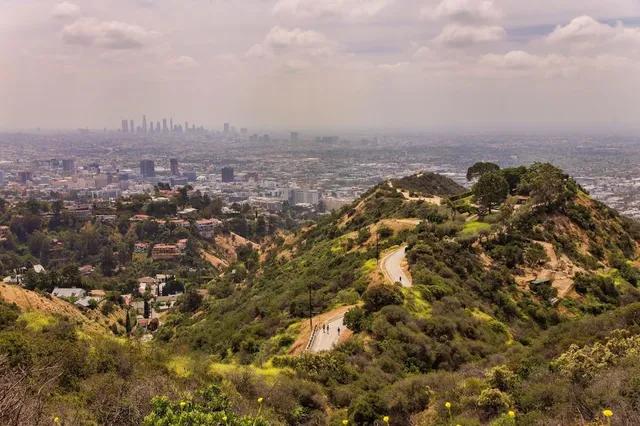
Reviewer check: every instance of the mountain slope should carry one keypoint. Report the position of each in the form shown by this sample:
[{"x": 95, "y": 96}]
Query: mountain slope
[{"x": 487, "y": 290}]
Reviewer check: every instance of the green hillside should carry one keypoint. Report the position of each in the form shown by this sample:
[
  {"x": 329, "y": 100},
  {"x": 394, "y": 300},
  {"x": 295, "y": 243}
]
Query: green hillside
[{"x": 524, "y": 309}]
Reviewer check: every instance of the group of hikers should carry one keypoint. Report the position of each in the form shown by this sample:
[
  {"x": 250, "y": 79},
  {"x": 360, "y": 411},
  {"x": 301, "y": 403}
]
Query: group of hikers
[{"x": 325, "y": 328}]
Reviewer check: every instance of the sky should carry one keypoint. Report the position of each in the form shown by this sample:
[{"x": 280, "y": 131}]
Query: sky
[{"x": 311, "y": 64}]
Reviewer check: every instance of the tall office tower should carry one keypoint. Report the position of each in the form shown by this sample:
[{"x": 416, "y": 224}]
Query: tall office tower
[
  {"x": 144, "y": 124},
  {"x": 294, "y": 136},
  {"x": 132, "y": 129},
  {"x": 226, "y": 128},
  {"x": 227, "y": 174},
  {"x": 174, "y": 167},
  {"x": 68, "y": 165},
  {"x": 151, "y": 127},
  {"x": 125, "y": 126},
  {"x": 164, "y": 125},
  {"x": 24, "y": 177},
  {"x": 193, "y": 127},
  {"x": 147, "y": 168},
  {"x": 158, "y": 126},
  {"x": 186, "y": 126},
  {"x": 171, "y": 124},
  {"x": 1, "y": 177}
]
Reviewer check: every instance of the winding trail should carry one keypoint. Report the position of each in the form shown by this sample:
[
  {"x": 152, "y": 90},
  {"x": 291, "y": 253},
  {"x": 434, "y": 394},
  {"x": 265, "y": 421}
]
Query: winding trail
[
  {"x": 325, "y": 340},
  {"x": 391, "y": 265}
]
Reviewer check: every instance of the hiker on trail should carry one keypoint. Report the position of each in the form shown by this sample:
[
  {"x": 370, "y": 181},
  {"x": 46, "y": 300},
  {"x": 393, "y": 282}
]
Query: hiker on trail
[
  {"x": 338, "y": 331},
  {"x": 323, "y": 327}
]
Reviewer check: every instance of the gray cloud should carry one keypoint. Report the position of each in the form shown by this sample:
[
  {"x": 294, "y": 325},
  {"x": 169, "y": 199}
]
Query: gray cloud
[{"x": 110, "y": 34}]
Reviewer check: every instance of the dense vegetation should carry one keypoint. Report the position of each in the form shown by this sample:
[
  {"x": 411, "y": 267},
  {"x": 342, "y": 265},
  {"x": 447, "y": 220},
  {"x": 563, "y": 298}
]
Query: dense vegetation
[{"x": 524, "y": 309}]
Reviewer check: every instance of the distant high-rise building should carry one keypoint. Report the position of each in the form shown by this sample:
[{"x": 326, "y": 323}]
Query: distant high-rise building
[
  {"x": 144, "y": 124},
  {"x": 294, "y": 137},
  {"x": 68, "y": 165},
  {"x": 191, "y": 176},
  {"x": 125, "y": 126},
  {"x": 1, "y": 177},
  {"x": 24, "y": 176},
  {"x": 171, "y": 124},
  {"x": 226, "y": 128},
  {"x": 227, "y": 174},
  {"x": 186, "y": 126},
  {"x": 164, "y": 125},
  {"x": 158, "y": 126},
  {"x": 147, "y": 168},
  {"x": 174, "y": 167},
  {"x": 151, "y": 127},
  {"x": 132, "y": 128}
]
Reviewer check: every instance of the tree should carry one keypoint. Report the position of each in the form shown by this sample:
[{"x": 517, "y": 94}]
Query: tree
[
  {"x": 127, "y": 322},
  {"x": 107, "y": 261},
  {"x": 378, "y": 296},
  {"x": 547, "y": 184},
  {"x": 190, "y": 301},
  {"x": 147, "y": 309},
  {"x": 480, "y": 168},
  {"x": 491, "y": 190},
  {"x": 355, "y": 319}
]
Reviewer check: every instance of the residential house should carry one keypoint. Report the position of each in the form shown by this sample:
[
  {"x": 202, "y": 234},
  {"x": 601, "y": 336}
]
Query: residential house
[
  {"x": 146, "y": 284},
  {"x": 69, "y": 292},
  {"x": 86, "y": 269},
  {"x": 165, "y": 252},
  {"x": 207, "y": 227},
  {"x": 140, "y": 247}
]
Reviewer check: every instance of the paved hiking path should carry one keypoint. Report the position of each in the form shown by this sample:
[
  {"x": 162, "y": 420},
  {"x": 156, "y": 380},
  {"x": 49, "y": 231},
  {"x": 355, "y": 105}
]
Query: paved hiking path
[{"x": 391, "y": 265}]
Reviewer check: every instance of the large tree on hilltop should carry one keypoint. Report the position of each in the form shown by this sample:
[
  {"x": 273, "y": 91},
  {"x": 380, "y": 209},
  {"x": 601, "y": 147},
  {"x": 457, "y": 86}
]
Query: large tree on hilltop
[
  {"x": 491, "y": 190},
  {"x": 480, "y": 169}
]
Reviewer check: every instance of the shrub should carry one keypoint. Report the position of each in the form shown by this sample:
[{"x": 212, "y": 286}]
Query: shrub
[
  {"x": 378, "y": 296},
  {"x": 493, "y": 401}
]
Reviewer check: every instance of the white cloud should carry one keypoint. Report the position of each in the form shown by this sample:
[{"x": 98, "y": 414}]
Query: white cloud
[
  {"x": 110, "y": 35},
  {"x": 423, "y": 53},
  {"x": 515, "y": 60},
  {"x": 455, "y": 35},
  {"x": 585, "y": 32},
  {"x": 283, "y": 41},
  {"x": 330, "y": 8},
  {"x": 181, "y": 63},
  {"x": 394, "y": 67},
  {"x": 65, "y": 10},
  {"x": 463, "y": 11}
]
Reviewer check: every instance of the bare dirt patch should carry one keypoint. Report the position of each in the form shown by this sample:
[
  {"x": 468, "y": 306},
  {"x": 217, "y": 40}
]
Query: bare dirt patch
[
  {"x": 560, "y": 270},
  {"x": 215, "y": 261}
]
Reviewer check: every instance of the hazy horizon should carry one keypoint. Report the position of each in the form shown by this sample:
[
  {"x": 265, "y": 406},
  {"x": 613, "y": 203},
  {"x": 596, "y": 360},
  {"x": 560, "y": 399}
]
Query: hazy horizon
[{"x": 307, "y": 65}]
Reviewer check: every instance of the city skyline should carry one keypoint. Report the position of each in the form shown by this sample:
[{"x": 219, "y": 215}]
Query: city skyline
[{"x": 416, "y": 64}]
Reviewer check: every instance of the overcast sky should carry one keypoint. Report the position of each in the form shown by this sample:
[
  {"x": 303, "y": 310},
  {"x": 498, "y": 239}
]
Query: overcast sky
[{"x": 320, "y": 63}]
